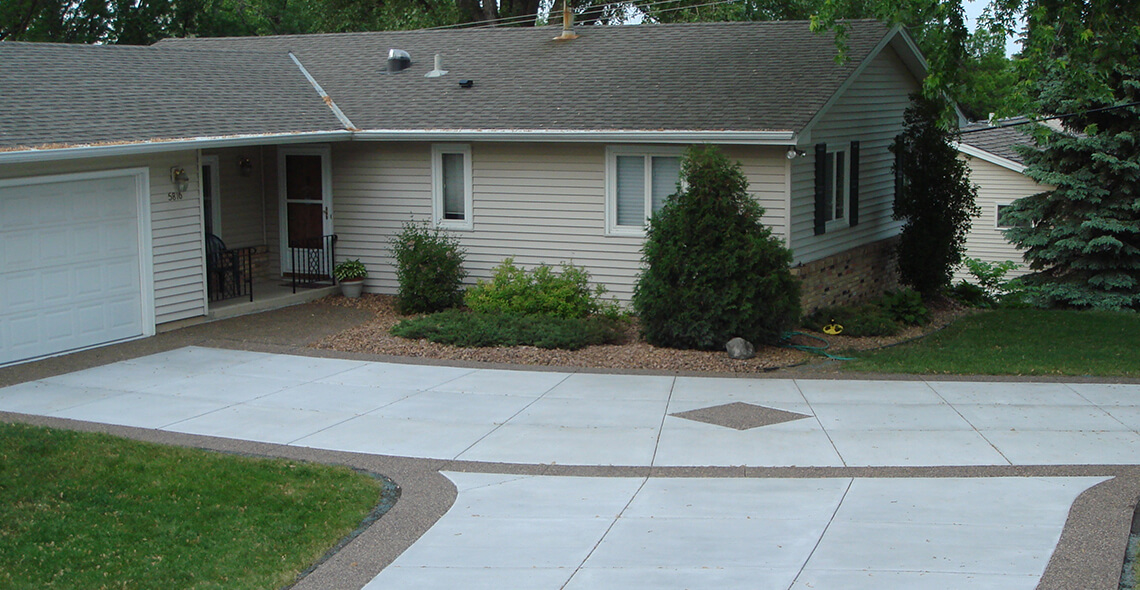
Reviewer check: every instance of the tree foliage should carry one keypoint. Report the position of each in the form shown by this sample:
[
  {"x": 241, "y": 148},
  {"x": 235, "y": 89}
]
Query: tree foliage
[
  {"x": 934, "y": 199},
  {"x": 713, "y": 271},
  {"x": 1083, "y": 237}
]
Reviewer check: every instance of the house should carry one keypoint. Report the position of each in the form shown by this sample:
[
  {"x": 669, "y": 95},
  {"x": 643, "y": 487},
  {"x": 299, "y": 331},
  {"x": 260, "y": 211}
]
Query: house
[
  {"x": 117, "y": 163},
  {"x": 997, "y": 168}
]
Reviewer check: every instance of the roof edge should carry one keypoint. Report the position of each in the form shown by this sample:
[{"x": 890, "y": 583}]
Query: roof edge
[
  {"x": 581, "y": 136},
  {"x": 146, "y": 147},
  {"x": 981, "y": 154}
]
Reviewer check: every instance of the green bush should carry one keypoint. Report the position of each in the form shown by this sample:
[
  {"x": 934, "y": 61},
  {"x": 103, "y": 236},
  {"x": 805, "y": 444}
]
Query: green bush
[
  {"x": 473, "y": 329},
  {"x": 990, "y": 276},
  {"x": 905, "y": 306},
  {"x": 429, "y": 267},
  {"x": 970, "y": 294},
  {"x": 857, "y": 321},
  {"x": 515, "y": 291},
  {"x": 713, "y": 271}
]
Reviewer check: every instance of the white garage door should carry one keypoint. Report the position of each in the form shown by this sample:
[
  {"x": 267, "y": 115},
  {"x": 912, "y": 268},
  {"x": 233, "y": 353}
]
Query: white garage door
[{"x": 71, "y": 263}]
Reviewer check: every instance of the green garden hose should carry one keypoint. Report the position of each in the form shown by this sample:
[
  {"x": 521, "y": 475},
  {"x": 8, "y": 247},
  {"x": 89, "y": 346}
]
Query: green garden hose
[{"x": 786, "y": 342}]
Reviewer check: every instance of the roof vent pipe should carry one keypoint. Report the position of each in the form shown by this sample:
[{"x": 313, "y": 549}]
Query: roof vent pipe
[
  {"x": 398, "y": 60},
  {"x": 438, "y": 71},
  {"x": 567, "y": 23}
]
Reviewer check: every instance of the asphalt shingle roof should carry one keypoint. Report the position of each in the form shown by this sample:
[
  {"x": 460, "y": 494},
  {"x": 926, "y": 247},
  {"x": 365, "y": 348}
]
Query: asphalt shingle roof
[
  {"x": 998, "y": 141},
  {"x": 757, "y": 76},
  {"x": 752, "y": 76},
  {"x": 59, "y": 95}
]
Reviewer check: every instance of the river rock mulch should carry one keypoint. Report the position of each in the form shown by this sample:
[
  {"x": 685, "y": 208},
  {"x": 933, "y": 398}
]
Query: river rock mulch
[{"x": 373, "y": 337}]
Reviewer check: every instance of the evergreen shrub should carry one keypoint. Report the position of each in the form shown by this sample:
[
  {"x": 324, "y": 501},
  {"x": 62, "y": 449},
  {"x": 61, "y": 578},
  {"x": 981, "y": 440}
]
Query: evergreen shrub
[
  {"x": 473, "y": 329},
  {"x": 429, "y": 268},
  {"x": 712, "y": 270}
]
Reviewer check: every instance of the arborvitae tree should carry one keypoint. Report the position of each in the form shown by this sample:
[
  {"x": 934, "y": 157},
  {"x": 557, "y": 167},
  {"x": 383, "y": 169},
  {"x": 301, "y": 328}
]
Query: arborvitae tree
[
  {"x": 933, "y": 197},
  {"x": 713, "y": 271}
]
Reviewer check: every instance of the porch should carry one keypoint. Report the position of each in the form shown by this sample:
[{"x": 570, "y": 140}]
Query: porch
[{"x": 268, "y": 294}]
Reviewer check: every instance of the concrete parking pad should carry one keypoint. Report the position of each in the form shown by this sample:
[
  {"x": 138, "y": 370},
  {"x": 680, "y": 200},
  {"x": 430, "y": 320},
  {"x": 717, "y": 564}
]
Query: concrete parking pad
[{"x": 861, "y": 521}]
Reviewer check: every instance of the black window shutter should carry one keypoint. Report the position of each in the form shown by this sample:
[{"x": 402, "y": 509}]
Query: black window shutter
[
  {"x": 853, "y": 183},
  {"x": 820, "y": 181}
]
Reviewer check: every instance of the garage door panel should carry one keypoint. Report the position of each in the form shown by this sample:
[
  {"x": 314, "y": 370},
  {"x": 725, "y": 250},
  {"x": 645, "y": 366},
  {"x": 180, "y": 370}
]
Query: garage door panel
[{"x": 72, "y": 274}]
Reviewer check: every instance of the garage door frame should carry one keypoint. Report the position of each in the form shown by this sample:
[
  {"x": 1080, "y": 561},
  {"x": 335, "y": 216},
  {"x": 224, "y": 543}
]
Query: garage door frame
[{"x": 141, "y": 177}]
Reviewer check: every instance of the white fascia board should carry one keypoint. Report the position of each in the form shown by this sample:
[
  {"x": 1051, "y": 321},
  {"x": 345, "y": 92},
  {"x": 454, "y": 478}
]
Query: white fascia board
[
  {"x": 580, "y": 136},
  {"x": 124, "y": 149},
  {"x": 981, "y": 154}
]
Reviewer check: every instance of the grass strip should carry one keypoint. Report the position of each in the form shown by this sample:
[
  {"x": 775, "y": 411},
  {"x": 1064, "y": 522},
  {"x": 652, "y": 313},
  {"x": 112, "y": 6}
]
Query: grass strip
[
  {"x": 1020, "y": 342},
  {"x": 88, "y": 510}
]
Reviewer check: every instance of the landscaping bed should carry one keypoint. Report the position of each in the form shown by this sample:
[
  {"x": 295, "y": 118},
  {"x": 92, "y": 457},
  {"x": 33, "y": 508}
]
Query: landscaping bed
[{"x": 374, "y": 337}]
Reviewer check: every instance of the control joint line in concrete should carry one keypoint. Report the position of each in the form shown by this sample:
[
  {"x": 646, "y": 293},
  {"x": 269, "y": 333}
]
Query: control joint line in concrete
[{"x": 824, "y": 532}]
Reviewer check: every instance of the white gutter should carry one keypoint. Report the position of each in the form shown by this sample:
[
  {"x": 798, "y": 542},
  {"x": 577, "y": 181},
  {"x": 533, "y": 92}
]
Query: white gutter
[
  {"x": 781, "y": 138},
  {"x": 582, "y": 136},
  {"x": 125, "y": 149},
  {"x": 981, "y": 154}
]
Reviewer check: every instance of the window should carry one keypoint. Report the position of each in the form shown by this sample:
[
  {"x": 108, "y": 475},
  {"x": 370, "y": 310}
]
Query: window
[
  {"x": 451, "y": 186},
  {"x": 639, "y": 180},
  {"x": 1002, "y": 222},
  {"x": 835, "y": 187}
]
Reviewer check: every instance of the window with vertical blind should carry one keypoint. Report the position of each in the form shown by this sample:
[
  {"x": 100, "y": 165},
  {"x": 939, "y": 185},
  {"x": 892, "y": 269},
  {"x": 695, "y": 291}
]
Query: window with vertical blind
[
  {"x": 638, "y": 181},
  {"x": 451, "y": 186}
]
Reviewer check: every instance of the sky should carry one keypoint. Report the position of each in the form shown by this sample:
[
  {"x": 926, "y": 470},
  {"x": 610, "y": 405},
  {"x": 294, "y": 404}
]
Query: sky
[{"x": 974, "y": 9}]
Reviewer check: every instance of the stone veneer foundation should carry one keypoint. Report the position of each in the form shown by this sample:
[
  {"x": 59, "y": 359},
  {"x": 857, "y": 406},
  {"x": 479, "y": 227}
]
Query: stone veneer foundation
[{"x": 853, "y": 276}]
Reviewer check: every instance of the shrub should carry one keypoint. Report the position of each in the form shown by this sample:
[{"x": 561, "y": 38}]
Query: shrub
[
  {"x": 712, "y": 270},
  {"x": 990, "y": 276},
  {"x": 970, "y": 294},
  {"x": 539, "y": 292},
  {"x": 429, "y": 268},
  {"x": 857, "y": 321},
  {"x": 905, "y": 306},
  {"x": 474, "y": 329}
]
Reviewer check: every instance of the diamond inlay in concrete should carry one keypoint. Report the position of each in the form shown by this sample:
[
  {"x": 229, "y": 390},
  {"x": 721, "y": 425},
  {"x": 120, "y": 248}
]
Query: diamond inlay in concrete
[{"x": 740, "y": 415}]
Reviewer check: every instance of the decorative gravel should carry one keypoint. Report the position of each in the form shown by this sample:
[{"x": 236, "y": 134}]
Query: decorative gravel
[{"x": 373, "y": 337}]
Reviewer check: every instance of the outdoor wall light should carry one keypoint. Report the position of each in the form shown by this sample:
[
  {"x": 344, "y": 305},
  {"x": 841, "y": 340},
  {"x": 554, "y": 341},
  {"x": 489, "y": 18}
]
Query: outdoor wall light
[
  {"x": 179, "y": 179},
  {"x": 245, "y": 166},
  {"x": 794, "y": 152}
]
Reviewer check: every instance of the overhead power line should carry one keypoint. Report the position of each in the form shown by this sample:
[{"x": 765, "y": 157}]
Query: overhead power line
[
  {"x": 511, "y": 20},
  {"x": 1029, "y": 121}
]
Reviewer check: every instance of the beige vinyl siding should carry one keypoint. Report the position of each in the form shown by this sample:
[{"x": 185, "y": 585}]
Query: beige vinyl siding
[
  {"x": 540, "y": 203},
  {"x": 871, "y": 112},
  {"x": 997, "y": 185},
  {"x": 176, "y": 226},
  {"x": 240, "y": 197}
]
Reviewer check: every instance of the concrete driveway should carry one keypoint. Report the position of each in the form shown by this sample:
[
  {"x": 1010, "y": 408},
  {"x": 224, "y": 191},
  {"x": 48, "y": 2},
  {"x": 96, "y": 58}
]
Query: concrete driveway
[{"x": 580, "y": 480}]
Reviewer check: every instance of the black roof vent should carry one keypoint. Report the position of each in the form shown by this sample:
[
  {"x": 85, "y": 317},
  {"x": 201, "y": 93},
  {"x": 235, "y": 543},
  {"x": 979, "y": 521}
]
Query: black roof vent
[{"x": 398, "y": 60}]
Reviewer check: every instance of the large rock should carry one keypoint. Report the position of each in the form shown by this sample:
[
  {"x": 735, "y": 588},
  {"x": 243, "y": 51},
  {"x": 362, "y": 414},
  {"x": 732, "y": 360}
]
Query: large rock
[{"x": 739, "y": 348}]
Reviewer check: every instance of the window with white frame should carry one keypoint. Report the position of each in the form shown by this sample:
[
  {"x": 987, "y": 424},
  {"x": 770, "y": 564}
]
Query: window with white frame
[
  {"x": 451, "y": 185},
  {"x": 836, "y": 187},
  {"x": 638, "y": 180},
  {"x": 1003, "y": 222}
]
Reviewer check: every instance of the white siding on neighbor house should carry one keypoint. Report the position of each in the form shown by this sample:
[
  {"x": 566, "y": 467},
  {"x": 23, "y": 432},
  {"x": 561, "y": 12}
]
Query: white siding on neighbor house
[
  {"x": 540, "y": 203},
  {"x": 176, "y": 226},
  {"x": 871, "y": 112},
  {"x": 997, "y": 185}
]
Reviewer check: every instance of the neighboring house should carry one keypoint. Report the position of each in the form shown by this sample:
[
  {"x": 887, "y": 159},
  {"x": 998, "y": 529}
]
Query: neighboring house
[
  {"x": 996, "y": 167},
  {"x": 116, "y": 162}
]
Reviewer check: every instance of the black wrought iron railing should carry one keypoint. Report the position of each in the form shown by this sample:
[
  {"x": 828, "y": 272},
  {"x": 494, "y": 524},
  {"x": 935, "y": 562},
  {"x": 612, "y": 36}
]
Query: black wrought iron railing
[
  {"x": 229, "y": 272},
  {"x": 312, "y": 261}
]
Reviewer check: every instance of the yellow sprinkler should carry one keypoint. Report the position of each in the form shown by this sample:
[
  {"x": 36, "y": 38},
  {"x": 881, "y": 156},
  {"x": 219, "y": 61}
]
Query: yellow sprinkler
[{"x": 833, "y": 328}]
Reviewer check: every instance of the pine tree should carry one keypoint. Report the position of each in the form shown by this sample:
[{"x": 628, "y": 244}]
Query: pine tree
[
  {"x": 1083, "y": 237},
  {"x": 933, "y": 197}
]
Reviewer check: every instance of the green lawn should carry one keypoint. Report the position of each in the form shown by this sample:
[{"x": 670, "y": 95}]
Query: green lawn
[
  {"x": 85, "y": 510},
  {"x": 1020, "y": 342}
]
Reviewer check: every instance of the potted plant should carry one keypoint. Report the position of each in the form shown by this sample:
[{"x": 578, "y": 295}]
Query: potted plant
[{"x": 350, "y": 275}]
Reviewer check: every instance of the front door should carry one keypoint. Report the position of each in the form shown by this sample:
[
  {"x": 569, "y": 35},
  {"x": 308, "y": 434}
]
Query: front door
[{"x": 305, "y": 186}]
